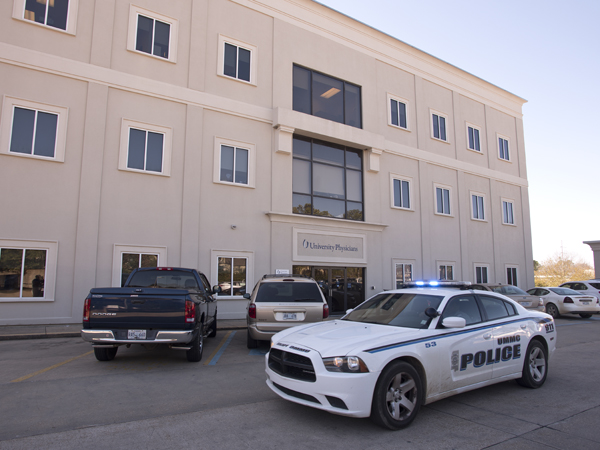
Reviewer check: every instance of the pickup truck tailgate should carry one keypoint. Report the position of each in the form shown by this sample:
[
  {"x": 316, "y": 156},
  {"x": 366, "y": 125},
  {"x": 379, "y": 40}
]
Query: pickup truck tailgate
[{"x": 134, "y": 308}]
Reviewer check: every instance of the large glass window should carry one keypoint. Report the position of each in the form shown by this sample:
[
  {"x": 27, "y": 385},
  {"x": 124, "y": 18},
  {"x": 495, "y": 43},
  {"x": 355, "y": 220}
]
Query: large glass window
[
  {"x": 327, "y": 180},
  {"x": 503, "y": 152},
  {"x": 52, "y": 13},
  {"x": 473, "y": 137},
  {"x": 153, "y": 36},
  {"x": 232, "y": 276},
  {"x": 477, "y": 207},
  {"x": 33, "y": 132},
  {"x": 442, "y": 196},
  {"x": 439, "y": 126},
  {"x": 236, "y": 62},
  {"x": 145, "y": 150},
  {"x": 234, "y": 164},
  {"x": 22, "y": 272},
  {"x": 446, "y": 272},
  {"x": 508, "y": 217},
  {"x": 132, "y": 261},
  {"x": 401, "y": 196},
  {"x": 404, "y": 273},
  {"x": 327, "y": 97}
]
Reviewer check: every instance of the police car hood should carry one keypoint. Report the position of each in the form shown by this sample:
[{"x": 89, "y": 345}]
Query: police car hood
[{"x": 341, "y": 337}]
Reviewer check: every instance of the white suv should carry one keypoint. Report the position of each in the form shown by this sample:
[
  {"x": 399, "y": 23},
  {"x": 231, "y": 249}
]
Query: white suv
[{"x": 588, "y": 287}]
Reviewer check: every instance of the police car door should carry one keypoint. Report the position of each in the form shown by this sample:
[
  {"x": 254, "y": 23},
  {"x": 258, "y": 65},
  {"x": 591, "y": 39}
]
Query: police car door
[
  {"x": 510, "y": 336},
  {"x": 468, "y": 347}
]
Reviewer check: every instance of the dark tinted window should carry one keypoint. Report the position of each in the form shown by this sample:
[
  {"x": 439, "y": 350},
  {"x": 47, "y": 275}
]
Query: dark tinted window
[
  {"x": 165, "y": 279},
  {"x": 464, "y": 306},
  {"x": 289, "y": 292},
  {"x": 595, "y": 285}
]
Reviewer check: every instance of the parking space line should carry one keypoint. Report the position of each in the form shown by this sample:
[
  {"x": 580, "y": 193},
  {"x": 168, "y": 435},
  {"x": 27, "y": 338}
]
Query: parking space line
[
  {"x": 214, "y": 357},
  {"x": 39, "y": 372}
]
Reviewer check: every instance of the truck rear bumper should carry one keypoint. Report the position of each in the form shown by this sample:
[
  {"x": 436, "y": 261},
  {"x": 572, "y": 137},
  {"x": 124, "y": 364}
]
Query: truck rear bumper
[{"x": 107, "y": 337}]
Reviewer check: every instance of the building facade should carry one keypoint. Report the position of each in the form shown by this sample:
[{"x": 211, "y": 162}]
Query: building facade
[{"x": 245, "y": 137}]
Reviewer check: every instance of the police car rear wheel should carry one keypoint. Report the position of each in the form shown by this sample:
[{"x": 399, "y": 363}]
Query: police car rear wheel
[
  {"x": 536, "y": 366},
  {"x": 397, "y": 396}
]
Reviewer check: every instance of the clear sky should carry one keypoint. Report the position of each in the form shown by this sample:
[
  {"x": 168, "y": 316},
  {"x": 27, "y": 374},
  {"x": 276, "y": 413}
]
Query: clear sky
[{"x": 547, "y": 52}]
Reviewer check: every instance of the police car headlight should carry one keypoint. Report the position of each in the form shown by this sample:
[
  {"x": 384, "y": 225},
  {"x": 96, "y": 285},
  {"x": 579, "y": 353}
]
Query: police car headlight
[{"x": 346, "y": 364}]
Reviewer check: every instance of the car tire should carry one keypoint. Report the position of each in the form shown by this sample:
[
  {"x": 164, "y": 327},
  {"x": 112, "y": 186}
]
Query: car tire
[
  {"x": 250, "y": 343},
  {"x": 212, "y": 330},
  {"x": 535, "y": 366},
  {"x": 105, "y": 354},
  {"x": 194, "y": 354},
  {"x": 397, "y": 396},
  {"x": 585, "y": 315},
  {"x": 552, "y": 310}
]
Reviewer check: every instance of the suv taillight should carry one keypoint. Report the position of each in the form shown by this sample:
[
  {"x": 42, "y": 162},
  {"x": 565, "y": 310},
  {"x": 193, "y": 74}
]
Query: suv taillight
[
  {"x": 190, "y": 311},
  {"x": 252, "y": 311},
  {"x": 568, "y": 300},
  {"x": 325, "y": 311},
  {"x": 86, "y": 310}
]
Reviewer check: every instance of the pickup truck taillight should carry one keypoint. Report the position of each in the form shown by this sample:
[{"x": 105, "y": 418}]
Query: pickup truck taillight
[
  {"x": 86, "y": 310},
  {"x": 325, "y": 311},
  {"x": 190, "y": 311},
  {"x": 252, "y": 311}
]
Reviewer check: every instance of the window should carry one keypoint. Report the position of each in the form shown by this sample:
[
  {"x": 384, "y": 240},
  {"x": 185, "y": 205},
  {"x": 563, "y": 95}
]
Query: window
[
  {"x": 152, "y": 34},
  {"x": 481, "y": 273},
  {"x": 503, "y": 152},
  {"x": 464, "y": 306},
  {"x": 477, "y": 207},
  {"x": 438, "y": 126},
  {"x": 33, "y": 129},
  {"x": 127, "y": 258},
  {"x": 473, "y": 139},
  {"x": 442, "y": 200},
  {"x": 404, "y": 273},
  {"x": 507, "y": 212},
  {"x": 327, "y": 180},
  {"x": 27, "y": 270},
  {"x": 511, "y": 276},
  {"x": 496, "y": 308},
  {"x": 446, "y": 272},
  {"x": 327, "y": 97},
  {"x": 401, "y": 192},
  {"x": 398, "y": 112},
  {"x": 145, "y": 148},
  {"x": 132, "y": 261},
  {"x": 232, "y": 276},
  {"x": 60, "y": 15},
  {"x": 234, "y": 163},
  {"x": 237, "y": 60}
]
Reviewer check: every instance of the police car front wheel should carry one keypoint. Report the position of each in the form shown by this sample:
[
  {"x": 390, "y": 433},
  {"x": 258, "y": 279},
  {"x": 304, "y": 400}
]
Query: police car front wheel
[
  {"x": 397, "y": 396},
  {"x": 535, "y": 366}
]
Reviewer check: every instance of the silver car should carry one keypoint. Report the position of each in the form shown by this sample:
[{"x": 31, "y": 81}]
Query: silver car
[
  {"x": 588, "y": 287},
  {"x": 517, "y": 294},
  {"x": 279, "y": 302},
  {"x": 560, "y": 300}
]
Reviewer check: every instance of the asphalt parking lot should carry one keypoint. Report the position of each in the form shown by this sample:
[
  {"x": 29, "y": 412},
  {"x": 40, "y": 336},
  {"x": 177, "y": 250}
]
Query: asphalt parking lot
[{"x": 54, "y": 394}]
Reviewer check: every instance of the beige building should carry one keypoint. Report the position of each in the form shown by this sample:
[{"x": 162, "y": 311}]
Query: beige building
[{"x": 244, "y": 137}]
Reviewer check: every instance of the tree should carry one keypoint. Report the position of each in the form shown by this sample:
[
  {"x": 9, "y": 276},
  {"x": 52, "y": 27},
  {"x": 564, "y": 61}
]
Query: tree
[{"x": 559, "y": 269}]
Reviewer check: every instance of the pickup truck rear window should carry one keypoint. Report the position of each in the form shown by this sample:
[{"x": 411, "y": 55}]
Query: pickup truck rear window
[
  {"x": 291, "y": 292},
  {"x": 172, "y": 279}
]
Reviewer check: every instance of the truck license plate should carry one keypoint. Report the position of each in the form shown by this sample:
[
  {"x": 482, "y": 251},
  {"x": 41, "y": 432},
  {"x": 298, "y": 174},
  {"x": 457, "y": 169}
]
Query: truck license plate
[
  {"x": 289, "y": 316},
  {"x": 136, "y": 334}
]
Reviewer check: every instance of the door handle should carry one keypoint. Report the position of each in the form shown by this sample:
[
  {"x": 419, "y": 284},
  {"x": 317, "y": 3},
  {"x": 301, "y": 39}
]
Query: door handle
[
  {"x": 487, "y": 336},
  {"x": 523, "y": 326}
]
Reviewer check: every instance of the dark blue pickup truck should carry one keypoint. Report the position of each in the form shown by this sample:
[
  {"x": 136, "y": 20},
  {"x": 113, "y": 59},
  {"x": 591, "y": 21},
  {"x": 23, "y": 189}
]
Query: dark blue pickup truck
[{"x": 165, "y": 305}]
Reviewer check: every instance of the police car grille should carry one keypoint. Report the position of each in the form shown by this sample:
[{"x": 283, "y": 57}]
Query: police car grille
[{"x": 291, "y": 365}]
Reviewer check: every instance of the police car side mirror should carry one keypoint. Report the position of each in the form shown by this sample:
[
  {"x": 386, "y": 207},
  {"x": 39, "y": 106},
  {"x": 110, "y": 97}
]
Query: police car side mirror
[
  {"x": 431, "y": 312},
  {"x": 454, "y": 322}
]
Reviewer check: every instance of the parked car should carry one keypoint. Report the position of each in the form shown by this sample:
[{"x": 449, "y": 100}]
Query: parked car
[
  {"x": 278, "y": 302},
  {"x": 588, "y": 287},
  {"x": 558, "y": 300},
  {"x": 517, "y": 294}
]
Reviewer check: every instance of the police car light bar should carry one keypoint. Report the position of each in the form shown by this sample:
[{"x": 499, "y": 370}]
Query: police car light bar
[{"x": 437, "y": 283}]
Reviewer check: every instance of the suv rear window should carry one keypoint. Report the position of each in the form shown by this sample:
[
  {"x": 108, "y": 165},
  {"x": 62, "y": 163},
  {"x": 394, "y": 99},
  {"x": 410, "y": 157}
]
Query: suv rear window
[{"x": 289, "y": 292}]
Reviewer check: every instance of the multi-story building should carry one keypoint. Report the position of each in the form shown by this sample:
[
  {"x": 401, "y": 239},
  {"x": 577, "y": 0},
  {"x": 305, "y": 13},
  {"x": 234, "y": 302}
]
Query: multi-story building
[{"x": 244, "y": 137}]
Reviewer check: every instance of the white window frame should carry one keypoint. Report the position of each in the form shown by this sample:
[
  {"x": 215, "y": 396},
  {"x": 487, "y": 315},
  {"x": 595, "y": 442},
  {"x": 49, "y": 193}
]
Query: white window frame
[
  {"x": 450, "y": 201},
  {"x": 446, "y": 264},
  {"x": 481, "y": 266},
  {"x": 512, "y": 267},
  {"x": 8, "y": 107},
  {"x": 214, "y": 264},
  {"x": 253, "y": 49},
  {"x": 19, "y": 14},
  {"x": 51, "y": 248},
  {"x": 119, "y": 249},
  {"x": 251, "y": 161},
  {"x": 433, "y": 112},
  {"x": 391, "y": 97},
  {"x": 498, "y": 137},
  {"x": 483, "y": 197},
  {"x": 474, "y": 127},
  {"x": 134, "y": 12},
  {"x": 403, "y": 263},
  {"x": 512, "y": 203},
  {"x": 126, "y": 124},
  {"x": 394, "y": 177}
]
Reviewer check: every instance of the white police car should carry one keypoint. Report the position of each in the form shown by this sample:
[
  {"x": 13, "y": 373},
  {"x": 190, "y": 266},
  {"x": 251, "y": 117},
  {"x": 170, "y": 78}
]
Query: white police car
[{"x": 404, "y": 348}]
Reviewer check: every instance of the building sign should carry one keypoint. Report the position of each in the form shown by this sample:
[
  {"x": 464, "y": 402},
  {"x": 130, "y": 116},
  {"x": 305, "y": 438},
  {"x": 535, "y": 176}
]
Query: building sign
[{"x": 322, "y": 246}]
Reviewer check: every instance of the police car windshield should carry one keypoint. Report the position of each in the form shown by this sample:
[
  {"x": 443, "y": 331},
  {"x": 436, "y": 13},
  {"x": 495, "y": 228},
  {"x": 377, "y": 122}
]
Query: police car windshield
[{"x": 396, "y": 309}]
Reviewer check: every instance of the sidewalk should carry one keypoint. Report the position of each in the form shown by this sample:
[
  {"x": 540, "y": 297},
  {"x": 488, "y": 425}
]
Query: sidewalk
[{"x": 14, "y": 332}]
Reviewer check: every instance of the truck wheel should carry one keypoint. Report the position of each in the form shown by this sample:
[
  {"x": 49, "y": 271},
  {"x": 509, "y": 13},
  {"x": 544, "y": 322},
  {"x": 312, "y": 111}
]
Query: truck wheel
[
  {"x": 212, "y": 330},
  {"x": 535, "y": 366},
  {"x": 105, "y": 354},
  {"x": 397, "y": 396},
  {"x": 250, "y": 343},
  {"x": 585, "y": 316},
  {"x": 194, "y": 354}
]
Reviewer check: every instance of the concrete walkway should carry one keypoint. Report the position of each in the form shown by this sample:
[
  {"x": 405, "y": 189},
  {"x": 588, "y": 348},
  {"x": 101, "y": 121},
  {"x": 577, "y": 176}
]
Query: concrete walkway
[{"x": 12, "y": 332}]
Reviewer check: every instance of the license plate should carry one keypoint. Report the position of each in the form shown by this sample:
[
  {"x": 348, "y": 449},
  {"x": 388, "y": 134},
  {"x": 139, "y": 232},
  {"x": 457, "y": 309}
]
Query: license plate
[
  {"x": 289, "y": 316},
  {"x": 585, "y": 303},
  {"x": 136, "y": 334},
  {"x": 526, "y": 303}
]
